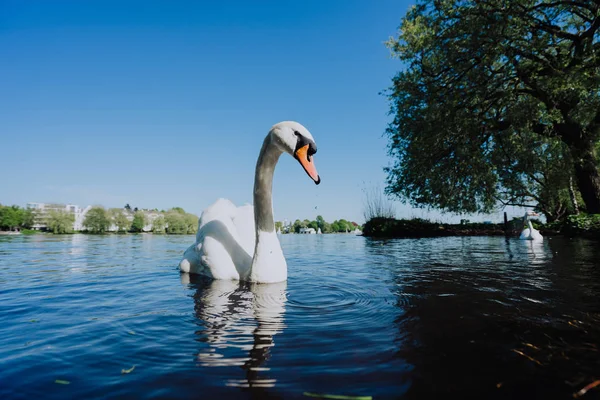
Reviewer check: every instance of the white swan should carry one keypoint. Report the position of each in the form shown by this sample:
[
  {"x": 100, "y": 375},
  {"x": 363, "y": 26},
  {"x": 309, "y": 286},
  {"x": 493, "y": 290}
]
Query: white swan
[
  {"x": 240, "y": 242},
  {"x": 530, "y": 233}
]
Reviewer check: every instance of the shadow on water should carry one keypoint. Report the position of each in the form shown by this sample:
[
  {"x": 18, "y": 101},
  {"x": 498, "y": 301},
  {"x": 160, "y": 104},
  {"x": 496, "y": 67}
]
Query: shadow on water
[
  {"x": 490, "y": 322},
  {"x": 239, "y": 322}
]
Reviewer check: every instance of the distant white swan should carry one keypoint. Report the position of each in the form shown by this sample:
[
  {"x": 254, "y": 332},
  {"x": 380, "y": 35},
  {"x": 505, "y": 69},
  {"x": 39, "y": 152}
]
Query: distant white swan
[
  {"x": 530, "y": 233},
  {"x": 240, "y": 242}
]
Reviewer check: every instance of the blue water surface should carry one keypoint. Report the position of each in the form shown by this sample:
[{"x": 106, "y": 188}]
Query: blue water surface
[{"x": 84, "y": 316}]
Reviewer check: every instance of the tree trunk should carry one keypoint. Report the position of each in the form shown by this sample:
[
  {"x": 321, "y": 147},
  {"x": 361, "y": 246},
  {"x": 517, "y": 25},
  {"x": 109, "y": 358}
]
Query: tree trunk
[
  {"x": 573, "y": 196},
  {"x": 585, "y": 162},
  {"x": 588, "y": 178}
]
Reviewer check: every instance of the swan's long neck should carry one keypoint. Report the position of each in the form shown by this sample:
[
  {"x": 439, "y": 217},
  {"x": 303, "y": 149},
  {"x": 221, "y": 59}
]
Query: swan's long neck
[
  {"x": 263, "y": 186},
  {"x": 528, "y": 221},
  {"x": 268, "y": 263}
]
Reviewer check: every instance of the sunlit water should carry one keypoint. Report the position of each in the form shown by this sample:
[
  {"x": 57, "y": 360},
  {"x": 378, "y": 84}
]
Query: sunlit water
[{"x": 478, "y": 317}]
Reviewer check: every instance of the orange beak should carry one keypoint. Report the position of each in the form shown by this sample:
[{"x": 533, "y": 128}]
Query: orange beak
[{"x": 306, "y": 160}]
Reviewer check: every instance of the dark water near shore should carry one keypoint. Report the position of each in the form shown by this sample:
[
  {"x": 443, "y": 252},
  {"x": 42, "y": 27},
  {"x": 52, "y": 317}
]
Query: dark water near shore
[{"x": 477, "y": 317}]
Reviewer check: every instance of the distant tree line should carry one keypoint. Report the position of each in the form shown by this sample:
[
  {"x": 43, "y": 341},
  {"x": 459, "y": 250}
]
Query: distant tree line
[
  {"x": 174, "y": 221},
  {"x": 336, "y": 226},
  {"x": 100, "y": 220}
]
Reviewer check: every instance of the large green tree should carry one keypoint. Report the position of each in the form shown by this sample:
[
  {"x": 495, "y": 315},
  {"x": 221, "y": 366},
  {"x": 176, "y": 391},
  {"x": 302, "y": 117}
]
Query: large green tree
[
  {"x": 158, "y": 225},
  {"x": 60, "y": 221},
  {"x": 12, "y": 217},
  {"x": 176, "y": 223},
  {"x": 97, "y": 220},
  {"x": 480, "y": 74},
  {"x": 139, "y": 221},
  {"x": 119, "y": 219}
]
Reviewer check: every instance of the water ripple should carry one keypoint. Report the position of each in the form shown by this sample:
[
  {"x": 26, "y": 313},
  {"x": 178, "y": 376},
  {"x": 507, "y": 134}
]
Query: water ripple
[{"x": 417, "y": 318}]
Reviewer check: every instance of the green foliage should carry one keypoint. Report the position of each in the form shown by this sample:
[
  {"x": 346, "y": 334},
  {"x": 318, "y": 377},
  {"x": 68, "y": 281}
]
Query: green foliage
[
  {"x": 27, "y": 218},
  {"x": 60, "y": 222},
  {"x": 320, "y": 221},
  {"x": 278, "y": 225},
  {"x": 500, "y": 101},
  {"x": 584, "y": 222},
  {"x": 97, "y": 220},
  {"x": 139, "y": 221},
  {"x": 14, "y": 217},
  {"x": 158, "y": 225},
  {"x": 342, "y": 226},
  {"x": 191, "y": 222},
  {"x": 10, "y": 217},
  {"x": 119, "y": 219},
  {"x": 298, "y": 225},
  {"x": 175, "y": 223},
  {"x": 337, "y": 226},
  {"x": 581, "y": 225},
  {"x": 181, "y": 223}
]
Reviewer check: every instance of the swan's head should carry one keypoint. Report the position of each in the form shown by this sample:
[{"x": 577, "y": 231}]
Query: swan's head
[
  {"x": 531, "y": 214},
  {"x": 294, "y": 139}
]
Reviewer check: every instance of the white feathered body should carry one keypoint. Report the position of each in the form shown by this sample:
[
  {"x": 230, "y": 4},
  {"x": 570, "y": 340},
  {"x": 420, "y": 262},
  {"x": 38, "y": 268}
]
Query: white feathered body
[
  {"x": 530, "y": 233},
  {"x": 225, "y": 242}
]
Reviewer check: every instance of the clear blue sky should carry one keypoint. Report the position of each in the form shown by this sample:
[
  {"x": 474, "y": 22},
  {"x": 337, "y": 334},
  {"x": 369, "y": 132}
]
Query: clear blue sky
[{"x": 162, "y": 104}]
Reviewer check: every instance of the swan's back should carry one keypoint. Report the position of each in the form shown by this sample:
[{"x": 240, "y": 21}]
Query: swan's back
[
  {"x": 531, "y": 234},
  {"x": 224, "y": 242}
]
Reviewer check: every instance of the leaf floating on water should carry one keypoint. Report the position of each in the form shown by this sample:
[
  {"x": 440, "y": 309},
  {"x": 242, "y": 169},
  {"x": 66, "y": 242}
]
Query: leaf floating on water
[
  {"x": 131, "y": 332},
  {"x": 532, "y": 346},
  {"x": 34, "y": 320},
  {"x": 337, "y": 396},
  {"x": 62, "y": 382},
  {"x": 126, "y": 371},
  {"x": 528, "y": 357},
  {"x": 586, "y": 388}
]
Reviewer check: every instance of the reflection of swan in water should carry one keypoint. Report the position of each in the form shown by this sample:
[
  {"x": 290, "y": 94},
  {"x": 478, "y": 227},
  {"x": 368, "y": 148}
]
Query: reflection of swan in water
[
  {"x": 240, "y": 320},
  {"x": 536, "y": 248}
]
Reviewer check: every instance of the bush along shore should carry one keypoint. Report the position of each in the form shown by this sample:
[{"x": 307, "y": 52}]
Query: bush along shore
[{"x": 582, "y": 225}]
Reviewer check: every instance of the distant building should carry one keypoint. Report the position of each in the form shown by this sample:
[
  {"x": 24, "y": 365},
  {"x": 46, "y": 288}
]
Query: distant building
[
  {"x": 310, "y": 231},
  {"x": 41, "y": 213}
]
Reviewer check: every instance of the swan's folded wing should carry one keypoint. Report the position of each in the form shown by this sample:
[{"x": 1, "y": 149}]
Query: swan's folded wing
[
  {"x": 224, "y": 242},
  {"x": 220, "y": 209}
]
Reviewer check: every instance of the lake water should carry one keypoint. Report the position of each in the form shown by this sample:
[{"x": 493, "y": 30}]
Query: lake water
[{"x": 478, "y": 317}]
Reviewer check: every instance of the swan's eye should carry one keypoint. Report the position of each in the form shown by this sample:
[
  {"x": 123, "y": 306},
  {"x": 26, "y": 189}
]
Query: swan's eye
[{"x": 303, "y": 141}]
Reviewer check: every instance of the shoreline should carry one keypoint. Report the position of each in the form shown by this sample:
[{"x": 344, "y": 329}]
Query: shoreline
[{"x": 389, "y": 228}]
